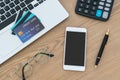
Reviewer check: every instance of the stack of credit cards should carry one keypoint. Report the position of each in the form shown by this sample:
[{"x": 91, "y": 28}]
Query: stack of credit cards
[{"x": 27, "y": 25}]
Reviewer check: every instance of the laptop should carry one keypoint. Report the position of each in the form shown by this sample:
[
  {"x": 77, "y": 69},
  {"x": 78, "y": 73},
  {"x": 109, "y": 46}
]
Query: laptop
[{"x": 50, "y": 13}]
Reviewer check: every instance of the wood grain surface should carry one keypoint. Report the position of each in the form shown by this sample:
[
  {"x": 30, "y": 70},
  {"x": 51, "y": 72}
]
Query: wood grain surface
[{"x": 109, "y": 67}]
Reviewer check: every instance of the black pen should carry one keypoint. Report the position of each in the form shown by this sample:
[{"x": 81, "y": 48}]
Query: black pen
[{"x": 102, "y": 48}]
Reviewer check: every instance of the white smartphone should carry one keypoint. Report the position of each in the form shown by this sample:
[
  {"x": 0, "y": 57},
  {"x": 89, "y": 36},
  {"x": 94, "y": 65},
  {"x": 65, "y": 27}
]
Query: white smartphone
[{"x": 75, "y": 49}]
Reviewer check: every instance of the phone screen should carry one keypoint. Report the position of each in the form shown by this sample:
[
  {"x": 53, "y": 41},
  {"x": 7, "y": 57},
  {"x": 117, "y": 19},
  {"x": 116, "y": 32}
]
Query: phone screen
[{"x": 75, "y": 48}]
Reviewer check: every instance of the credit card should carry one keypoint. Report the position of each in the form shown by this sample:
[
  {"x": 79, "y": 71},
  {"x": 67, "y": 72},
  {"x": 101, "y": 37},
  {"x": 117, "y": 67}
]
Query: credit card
[
  {"x": 28, "y": 29},
  {"x": 25, "y": 16}
]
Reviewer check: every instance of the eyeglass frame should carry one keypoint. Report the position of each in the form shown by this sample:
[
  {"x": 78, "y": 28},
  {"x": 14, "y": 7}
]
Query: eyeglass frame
[{"x": 23, "y": 68}]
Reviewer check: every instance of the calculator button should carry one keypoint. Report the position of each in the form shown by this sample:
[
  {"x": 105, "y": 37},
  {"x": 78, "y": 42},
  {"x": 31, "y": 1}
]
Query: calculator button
[
  {"x": 80, "y": 9},
  {"x": 93, "y": 8},
  {"x": 105, "y": 15},
  {"x": 107, "y": 9},
  {"x": 100, "y": 7},
  {"x": 95, "y": 3},
  {"x": 102, "y": 0},
  {"x": 107, "y": 5},
  {"x": 88, "y": 1},
  {"x": 109, "y": 1},
  {"x": 99, "y": 13},
  {"x": 82, "y": 0},
  {"x": 87, "y": 6},
  {"x": 101, "y": 3},
  {"x": 81, "y": 4},
  {"x": 86, "y": 11},
  {"x": 92, "y": 13}
]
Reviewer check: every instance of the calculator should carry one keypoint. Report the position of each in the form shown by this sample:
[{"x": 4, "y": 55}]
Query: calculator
[{"x": 97, "y": 9}]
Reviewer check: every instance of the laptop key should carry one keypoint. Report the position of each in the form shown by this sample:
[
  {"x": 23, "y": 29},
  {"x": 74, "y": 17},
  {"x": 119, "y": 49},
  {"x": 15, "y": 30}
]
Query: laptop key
[
  {"x": 11, "y": 5},
  {"x": 12, "y": 11},
  {"x": 7, "y": 1},
  {"x": 28, "y": 1},
  {"x": 17, "y": 8},
  {"x": 22, "y": 5},
  {"x": 2, "y": 17},
  {"x": 30, "y": 6},
  {"x": 16, "y": 2},
  {"x": 7, "y": 21},
  {"x": 6, "y": 8},
  {"x": 36, "y": 5},
  {"x": 40, "y": 1},
  {"x": 7, "y": 14},
  {"x": 2, "y": 4},
  {"x": 25, "y": 9},
  {"x": 2, "y": 11}
]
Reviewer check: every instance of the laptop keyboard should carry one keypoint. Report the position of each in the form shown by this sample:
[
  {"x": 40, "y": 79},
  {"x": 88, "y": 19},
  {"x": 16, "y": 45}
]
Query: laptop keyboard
[{"x": 9, "y": 8}]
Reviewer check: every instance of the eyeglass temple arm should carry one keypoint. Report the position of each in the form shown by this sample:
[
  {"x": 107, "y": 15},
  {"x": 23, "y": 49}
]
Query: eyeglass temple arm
[
  {"x": 50, "y": 55},
  {"x": 23, "y": 75}
]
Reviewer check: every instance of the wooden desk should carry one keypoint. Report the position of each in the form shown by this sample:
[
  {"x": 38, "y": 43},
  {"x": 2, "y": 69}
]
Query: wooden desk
[{"x": 109, "y": 67}]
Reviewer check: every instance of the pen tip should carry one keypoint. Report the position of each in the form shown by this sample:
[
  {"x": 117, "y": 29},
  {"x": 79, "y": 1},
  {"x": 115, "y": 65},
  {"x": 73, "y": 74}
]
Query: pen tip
[
  {"x": 108, "y": 31},
  {"x": 95, "y": 66}
]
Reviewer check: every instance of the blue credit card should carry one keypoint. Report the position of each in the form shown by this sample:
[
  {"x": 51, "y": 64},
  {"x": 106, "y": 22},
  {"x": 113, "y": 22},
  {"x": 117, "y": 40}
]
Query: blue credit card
[{"x": 28, "y": 29}]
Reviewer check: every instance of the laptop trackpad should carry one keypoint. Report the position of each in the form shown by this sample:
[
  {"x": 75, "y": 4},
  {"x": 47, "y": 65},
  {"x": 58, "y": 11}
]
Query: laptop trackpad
[{"x": 8, "y": 43}]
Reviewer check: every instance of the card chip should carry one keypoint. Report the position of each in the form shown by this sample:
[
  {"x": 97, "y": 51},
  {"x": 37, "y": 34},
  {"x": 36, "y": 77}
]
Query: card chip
[{"x": 20, "y": 33}]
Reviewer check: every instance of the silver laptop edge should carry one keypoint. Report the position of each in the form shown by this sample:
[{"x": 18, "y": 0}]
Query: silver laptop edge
[{"x": 51, "y": 13}]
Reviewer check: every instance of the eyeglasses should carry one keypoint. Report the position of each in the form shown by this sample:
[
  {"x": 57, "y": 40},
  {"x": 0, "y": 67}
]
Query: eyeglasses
[{"x": 25, "y": 70}]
